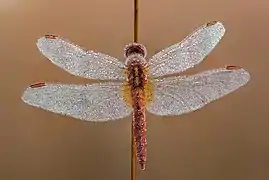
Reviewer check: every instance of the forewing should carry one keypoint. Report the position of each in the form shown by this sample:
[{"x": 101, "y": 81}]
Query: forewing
[
  {"x": 79, "y": 62},
  {"x": 96, "y": 102},
  {"x": 179, "y": 95},
  {"x": 189, "y": 52}
]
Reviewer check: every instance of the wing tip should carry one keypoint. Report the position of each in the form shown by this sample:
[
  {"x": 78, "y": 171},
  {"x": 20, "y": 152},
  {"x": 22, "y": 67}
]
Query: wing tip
[
  {"x": 247, "y": 75},
  {"x": 25, "y": 95},
  {"x": 240, "y": 69},
  {"x": 217, "y": 24},
  {"x": 46, "y": 36}
]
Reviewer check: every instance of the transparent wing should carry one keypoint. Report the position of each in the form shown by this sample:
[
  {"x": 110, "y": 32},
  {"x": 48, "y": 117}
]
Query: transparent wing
[
  {"x": 78, "y": 61},
  {"x": 179, "y": 95},
  {"x": 96, "y": 102},
  {"x": 189, "y": 52}
]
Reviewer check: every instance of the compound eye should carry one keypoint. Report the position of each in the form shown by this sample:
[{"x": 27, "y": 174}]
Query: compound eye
[{"x": 135, "y": 49}]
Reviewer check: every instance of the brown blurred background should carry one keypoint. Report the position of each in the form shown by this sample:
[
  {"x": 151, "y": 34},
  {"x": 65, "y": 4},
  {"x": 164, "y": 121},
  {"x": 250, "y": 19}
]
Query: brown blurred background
[{"x": 226, "y": 140}]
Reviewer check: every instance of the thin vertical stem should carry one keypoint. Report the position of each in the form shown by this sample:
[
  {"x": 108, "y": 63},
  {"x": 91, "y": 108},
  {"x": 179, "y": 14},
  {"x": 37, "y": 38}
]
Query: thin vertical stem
[
  {"x": 135, "y": 20},
  {"x": 133, "y": 158},
  {"x": 133, "y": 150}
]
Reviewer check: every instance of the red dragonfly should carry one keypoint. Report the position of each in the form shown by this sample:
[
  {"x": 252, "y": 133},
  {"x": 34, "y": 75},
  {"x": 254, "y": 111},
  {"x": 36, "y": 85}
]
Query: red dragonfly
[{"x": 139, "y": 84}]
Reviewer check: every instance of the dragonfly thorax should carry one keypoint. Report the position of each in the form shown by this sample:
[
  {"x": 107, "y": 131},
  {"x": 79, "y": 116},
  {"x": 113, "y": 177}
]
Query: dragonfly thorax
[
  {"x": 136, "y": 65},
  {"x": 136, "y": 72}
]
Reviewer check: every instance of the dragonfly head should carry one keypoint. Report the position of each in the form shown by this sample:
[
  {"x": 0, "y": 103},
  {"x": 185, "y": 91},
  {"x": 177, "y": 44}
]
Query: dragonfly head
[{"x": 135, "y": 49}]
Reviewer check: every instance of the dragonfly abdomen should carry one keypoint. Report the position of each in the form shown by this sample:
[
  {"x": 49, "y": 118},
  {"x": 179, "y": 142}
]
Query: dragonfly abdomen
[
  {"x": 139, "y": 127},
  {"x": 137, "y": 80}
]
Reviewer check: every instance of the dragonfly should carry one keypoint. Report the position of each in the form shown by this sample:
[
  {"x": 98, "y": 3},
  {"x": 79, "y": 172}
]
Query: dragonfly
[{"x": 137, "y": 85}]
